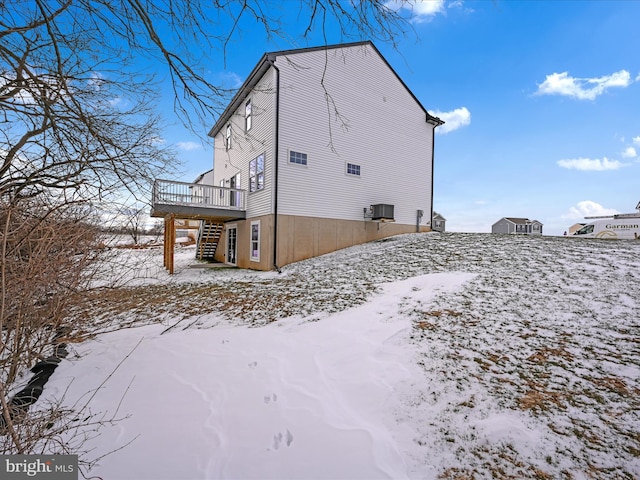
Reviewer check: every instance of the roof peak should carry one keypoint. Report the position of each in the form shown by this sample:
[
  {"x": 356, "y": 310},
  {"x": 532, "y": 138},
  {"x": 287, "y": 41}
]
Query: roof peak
[{"x": 319, "y": 47}]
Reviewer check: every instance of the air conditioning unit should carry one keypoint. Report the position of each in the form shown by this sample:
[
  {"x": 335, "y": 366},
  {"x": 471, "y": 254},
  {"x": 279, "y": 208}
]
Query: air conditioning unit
[{"x": 382, "y": 211}]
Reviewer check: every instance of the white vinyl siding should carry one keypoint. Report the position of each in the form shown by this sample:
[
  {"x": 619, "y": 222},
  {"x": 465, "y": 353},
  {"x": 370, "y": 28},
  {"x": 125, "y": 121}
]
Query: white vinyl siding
[
  {"x": 246, "y": 146},
  {"x": 380, "y": 127}
]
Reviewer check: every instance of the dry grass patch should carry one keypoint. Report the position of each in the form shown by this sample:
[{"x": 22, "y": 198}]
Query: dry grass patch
[
  {"x": 615, "y": 385},
  {"x": 440, "y": 313},
  {"x": 422, "y": 325},
  {"x": 538, "y": 397},
  {"x": 543, "y": 355}
]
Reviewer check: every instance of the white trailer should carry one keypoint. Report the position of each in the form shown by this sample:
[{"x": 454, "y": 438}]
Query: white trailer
[{"x": 620, "y": 226}]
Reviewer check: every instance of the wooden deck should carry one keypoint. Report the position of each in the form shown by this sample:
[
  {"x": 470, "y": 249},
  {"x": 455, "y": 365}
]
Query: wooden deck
[{"x": 193, "y": 201}]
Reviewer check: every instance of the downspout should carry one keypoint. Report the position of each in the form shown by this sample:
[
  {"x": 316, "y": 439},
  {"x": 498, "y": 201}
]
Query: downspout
[
  {"x": 433, "y": 161},
  {"x": 271, "y": 61},
  {"x": 436, "y": 122}
]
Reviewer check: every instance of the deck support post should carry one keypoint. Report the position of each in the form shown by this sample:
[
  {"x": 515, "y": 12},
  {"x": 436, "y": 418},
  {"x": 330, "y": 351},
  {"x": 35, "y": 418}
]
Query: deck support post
[{"x": 169, "y": 241}]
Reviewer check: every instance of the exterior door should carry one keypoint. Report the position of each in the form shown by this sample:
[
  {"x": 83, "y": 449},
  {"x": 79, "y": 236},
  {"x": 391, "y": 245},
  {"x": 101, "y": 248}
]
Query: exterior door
[{"x": 232, "y": 245}]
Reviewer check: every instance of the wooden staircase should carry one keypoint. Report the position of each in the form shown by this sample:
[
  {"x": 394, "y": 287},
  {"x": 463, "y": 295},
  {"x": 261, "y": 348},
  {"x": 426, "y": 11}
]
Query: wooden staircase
[{"x": 208, "y": 239}]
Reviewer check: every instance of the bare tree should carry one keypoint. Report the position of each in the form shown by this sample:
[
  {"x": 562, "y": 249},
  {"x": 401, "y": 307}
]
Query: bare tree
[
  {"x": 79, "y": 127},
  {"x": 135, "y": 222}
]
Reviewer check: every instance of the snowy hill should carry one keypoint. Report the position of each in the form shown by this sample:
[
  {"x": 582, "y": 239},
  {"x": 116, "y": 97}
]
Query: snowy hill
[{"x": 420, "y": 356}]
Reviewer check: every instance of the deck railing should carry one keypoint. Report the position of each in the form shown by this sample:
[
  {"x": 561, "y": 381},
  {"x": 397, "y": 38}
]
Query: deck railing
[{"x": 168, "y": 192}]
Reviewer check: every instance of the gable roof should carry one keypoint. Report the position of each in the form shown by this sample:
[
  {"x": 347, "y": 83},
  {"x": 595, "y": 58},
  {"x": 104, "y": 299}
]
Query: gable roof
[
  {"x": 201, "y": 176},
  {"x": 269, "y": 58},
  {"x": 519, "y": 221}
]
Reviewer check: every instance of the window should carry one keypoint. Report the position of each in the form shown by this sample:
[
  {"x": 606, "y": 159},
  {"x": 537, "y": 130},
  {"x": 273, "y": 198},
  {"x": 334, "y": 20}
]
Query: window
[
  {"x": 255, "y": 241},
  {"x": 297, "y": 157},
  {"x": 234, "y": 196},
  {"x": 221, "y": 188},
  {"x": 227, "y": 138},
  {"x": 256, "y": 174},
  {"x": 247, "y": 116},
  {"x": 353, "y": 169},
  {"x": 585, "y": 230}
]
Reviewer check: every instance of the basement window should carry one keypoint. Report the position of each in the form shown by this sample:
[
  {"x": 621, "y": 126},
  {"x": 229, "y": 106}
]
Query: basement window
[{"x": 255, "y": 241}]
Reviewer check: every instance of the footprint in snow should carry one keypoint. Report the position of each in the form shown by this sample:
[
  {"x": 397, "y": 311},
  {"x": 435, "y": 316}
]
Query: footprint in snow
[
  {"x": 280, "y": 438},
  {"x": 253, "y": 364},
  {"x": 268, "y": 398}
]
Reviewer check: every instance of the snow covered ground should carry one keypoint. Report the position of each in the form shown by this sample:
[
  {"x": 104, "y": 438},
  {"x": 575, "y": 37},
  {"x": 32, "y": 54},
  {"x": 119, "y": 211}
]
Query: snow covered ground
[{"x": 457, "y": 356}]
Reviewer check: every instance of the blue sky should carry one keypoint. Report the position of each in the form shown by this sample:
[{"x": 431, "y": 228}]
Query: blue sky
[{"x": 541, "y": 99}]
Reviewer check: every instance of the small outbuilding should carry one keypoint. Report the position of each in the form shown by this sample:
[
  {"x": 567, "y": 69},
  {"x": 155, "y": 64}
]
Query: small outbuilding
[{"x": 438, "y": 222}]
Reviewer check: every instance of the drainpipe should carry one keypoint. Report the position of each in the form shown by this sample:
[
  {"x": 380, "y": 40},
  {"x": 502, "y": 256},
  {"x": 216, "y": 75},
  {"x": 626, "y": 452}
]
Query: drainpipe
[
  {"x": 436, "y": 122},
  {"x": 433, "y": 173},
  {"x": 271, "y": 61}
]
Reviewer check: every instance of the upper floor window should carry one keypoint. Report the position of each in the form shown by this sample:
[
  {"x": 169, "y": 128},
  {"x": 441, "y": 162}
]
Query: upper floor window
[
  {"x": 353, "y": 169},
  {"x": 227, "y": 137},
  {"x": 247, "y": 116},
  {"x": 256, "y": 173},
  {"x": 297, "y": 157}
]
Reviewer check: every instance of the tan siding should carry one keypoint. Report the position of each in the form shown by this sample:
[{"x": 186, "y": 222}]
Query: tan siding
[
  {"x": 300, "y": 237},
  {"x": 243, "y": 259},
  {"x": 386, "y": 134}
]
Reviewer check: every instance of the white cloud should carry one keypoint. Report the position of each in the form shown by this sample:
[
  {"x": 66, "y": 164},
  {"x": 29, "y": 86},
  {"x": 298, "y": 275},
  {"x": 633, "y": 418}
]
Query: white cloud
[
  {"x": 587, "y": 208},
  {"x": 156, "y": 140},
  {"x": 420, "y": 10},
  {"x": 636, "y": 141},
  {"x": 582, "y": 88},
  {"x": 96, "y": 81},
  {"x": 188, "y": 146},
  {"x": 229, "y": 79},
  {"x": 591, "y": 164},
  {"x": 453, "y": 120},
  {"x": 117, "y": 102},
  {"x": 629, "y": 152}
]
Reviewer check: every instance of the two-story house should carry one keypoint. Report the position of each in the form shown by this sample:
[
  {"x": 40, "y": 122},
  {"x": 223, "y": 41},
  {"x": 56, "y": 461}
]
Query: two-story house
[{"x": 320, "y": 149}]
